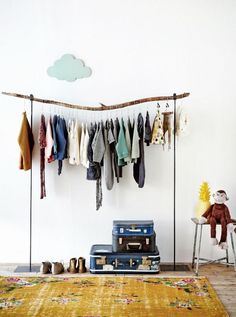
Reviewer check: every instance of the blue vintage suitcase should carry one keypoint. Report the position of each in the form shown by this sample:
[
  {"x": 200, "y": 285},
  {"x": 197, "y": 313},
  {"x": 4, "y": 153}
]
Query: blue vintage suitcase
[
  {"x": 133, "y": 227},
  {"x": 104, "y": 260}
]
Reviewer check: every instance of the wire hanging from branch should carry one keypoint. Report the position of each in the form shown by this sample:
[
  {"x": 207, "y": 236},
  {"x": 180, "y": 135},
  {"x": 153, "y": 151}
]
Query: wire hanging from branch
[{"x": 102, "y": 107}]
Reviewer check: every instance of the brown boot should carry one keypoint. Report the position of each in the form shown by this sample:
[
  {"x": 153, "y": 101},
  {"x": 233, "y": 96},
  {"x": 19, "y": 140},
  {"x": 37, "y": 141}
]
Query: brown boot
[
  {"x": 72, "y": 267},
  {"x": 57, "y": 268},
  {"x": 81, "y": 265},
  {"x": 46, "y": 268}
]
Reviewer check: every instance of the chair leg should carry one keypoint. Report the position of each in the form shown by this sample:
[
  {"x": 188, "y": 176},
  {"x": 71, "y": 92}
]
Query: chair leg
[
  {"x": 227, "y": 257},
  {"x": 199, "y": 248},
  {"x": 232, "y": 243},
  {"x": 194, "y": 245}
]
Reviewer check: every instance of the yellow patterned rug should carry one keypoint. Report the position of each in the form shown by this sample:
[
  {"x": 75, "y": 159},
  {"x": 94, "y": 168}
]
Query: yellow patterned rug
[{"x": 108, "y": 296}]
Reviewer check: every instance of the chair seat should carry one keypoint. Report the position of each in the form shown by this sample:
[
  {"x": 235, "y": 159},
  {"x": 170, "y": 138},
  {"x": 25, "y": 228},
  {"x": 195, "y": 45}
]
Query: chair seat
[{"x": 196, "y": 221}]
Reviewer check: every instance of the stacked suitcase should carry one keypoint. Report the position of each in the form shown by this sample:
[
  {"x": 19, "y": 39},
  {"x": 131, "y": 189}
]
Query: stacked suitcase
[{"x": 133, "y": 250}]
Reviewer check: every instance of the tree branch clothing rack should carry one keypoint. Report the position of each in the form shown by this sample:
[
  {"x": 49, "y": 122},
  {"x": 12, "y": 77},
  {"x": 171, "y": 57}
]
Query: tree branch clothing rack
[{"x": 103, "y": 107}]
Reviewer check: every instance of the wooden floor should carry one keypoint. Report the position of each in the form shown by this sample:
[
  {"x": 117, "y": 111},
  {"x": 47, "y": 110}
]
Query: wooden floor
[{"x": 222, "y": 278}]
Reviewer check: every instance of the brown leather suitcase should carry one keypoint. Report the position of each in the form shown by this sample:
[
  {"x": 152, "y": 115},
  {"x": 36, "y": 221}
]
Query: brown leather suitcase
[{"x": 123, "y": 243}]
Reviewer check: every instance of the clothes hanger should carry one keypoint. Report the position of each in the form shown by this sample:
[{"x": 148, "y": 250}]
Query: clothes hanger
[
  {"x": 121, "y": 115},
  {"x": 100, "y": 116},
  {"x": 63, "y": 112},
  {"x": 126, "y": 115},
  {"x": 134, "y": 114},
  {"x": 158, "y": 108},
  {"x": 24, "y": 104},
  {"x": 92, "y": 118},
  {"x": 108, "y": 113},
  {"x": 53, "y": 110},
  {"x": 50, "y": 111},
  {"x": 80, "y": 116},
  {"x": 167, "y": 109},
  {"x": 86, "y": 117}
]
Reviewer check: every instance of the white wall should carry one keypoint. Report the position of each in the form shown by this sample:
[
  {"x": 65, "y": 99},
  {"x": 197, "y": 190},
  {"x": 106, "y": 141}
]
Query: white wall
[{"x": 135, "y": 48}]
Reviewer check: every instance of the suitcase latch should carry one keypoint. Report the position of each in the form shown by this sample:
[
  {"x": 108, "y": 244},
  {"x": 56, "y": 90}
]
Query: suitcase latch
[
  {"x": 145, "y": 261},
  {"x": 115, "y": 262},
  {"x": 101, "y": 261},
  {"x": 132, "y": 262}
]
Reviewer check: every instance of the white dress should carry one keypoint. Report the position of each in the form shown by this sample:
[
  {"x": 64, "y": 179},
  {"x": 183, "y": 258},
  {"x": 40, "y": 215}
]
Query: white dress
[
  {"x": 73, "y": 138},
  {"x": 84, "y": 149},
  {"x": 135, "y": 152}
]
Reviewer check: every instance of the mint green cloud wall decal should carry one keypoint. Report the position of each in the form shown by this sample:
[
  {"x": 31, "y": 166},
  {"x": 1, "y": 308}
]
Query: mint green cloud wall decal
[{"x": 69, "y": 68}]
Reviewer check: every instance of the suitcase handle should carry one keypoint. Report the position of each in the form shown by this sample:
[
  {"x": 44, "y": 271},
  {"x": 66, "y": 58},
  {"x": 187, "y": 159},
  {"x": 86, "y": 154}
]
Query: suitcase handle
[
  {"x": 134, "y": 246},
  {"x": 134, "y": 230}
]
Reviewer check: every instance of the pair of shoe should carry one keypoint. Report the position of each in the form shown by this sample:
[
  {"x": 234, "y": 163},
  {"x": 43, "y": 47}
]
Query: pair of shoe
[
  {"x": 54, "y": 268},
  {"x": 77, "y": 266}
]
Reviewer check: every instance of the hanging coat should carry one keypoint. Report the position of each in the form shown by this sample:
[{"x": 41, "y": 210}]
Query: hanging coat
[
  {"x": 64, "y": 127},
  {"x": 54, "y": 136},
  {"x": 81, "y": 142},
  {"x": 148, "y": 130},
  {"x": 131, "y": 130},
  {"x": 135, "y": 152},
  {"x": 93, "y": 171},
  {"x": 84, "y": 147},
  {"x": 115, "y": 130},
  {"x": 74, "y": 143},
  {"x": 49, "y": 143},
  {"x": 98, "y": 145},
  {"x": 139, "y": 167},
  {"x": 42, "y": 146},
  {"x": 108, "y": 159},
  {"x": 62, "y": 139},
  {"x": 26, "y": 143},
  {"x": 128, "y": 142},
  {"x": 121, "y": 146}
]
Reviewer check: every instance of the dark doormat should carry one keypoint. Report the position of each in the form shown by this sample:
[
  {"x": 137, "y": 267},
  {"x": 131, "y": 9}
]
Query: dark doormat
[
  {"x": 178, "y": 267},
  {"x": 26, "y": 269}
]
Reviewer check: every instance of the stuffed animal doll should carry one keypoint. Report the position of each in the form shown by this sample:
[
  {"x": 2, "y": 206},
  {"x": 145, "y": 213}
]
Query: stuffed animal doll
[
  {"x": 167, "y": 127},
  {"x": 157, "y": 129},
  {"x": 218, "y": 213}
]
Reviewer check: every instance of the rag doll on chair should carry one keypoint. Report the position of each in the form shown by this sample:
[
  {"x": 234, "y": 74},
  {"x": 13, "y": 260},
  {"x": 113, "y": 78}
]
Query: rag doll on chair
[{"x": 218, "y": 213}]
